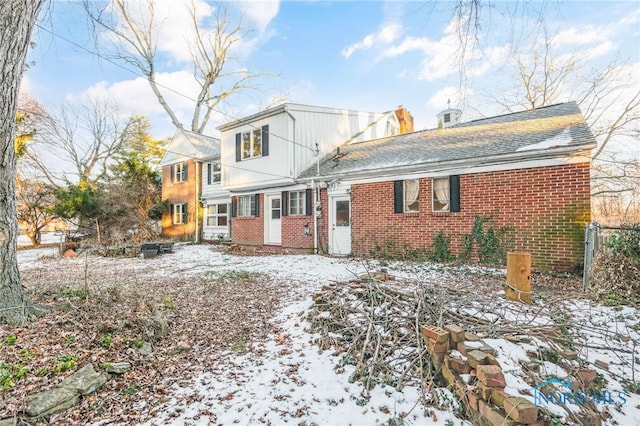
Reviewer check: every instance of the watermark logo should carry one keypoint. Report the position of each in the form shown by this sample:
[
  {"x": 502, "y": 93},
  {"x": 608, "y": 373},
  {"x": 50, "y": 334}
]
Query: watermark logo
[{"x": 556, "y": 391}]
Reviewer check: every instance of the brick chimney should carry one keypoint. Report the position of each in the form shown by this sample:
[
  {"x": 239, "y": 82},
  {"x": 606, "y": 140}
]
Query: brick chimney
[{"x": 405, "y": 119}]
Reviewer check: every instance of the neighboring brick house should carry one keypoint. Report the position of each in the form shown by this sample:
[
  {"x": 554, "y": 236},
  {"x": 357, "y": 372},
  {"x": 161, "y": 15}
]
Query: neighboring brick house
[
  {"x": 263, "y": 155},
  {"x": 188, "y": 155},
  {"x": 528, "y": 170}
]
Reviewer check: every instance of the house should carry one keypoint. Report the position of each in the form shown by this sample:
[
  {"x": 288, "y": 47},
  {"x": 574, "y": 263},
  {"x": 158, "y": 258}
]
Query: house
[
  {"x": 529, "y": 171},
  {"x": 264, "y": 154},
  {"x": 192, "y": 190}
]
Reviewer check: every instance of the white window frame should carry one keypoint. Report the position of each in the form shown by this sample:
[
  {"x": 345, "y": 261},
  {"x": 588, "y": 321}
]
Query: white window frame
[
  {"x": 251, "y": 144},
  {"x": 214, "y": 214},
  {"x": 179, "y": 214},
  {"x": 179, "y": 171},
  {"x": 214, "y": 173},
  {"x": 246, "y": 205},
  {"x": 441, "y": 197},
  {"x": 411, "y": 197},
  {"x": 297, "y": 203}
]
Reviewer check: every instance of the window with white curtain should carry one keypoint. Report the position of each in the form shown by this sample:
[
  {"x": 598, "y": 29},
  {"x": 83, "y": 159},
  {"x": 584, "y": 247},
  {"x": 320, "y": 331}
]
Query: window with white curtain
[
  {"x": 411, "y": 192},
  {"x": 441, "y": 195}
]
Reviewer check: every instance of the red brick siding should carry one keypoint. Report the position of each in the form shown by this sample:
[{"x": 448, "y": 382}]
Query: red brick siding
[
  {"x": 548, "y": 207},
  {"x": 293, "y": 232},
  {"x": 177, "y": 193},
  {"x": 248, "y": 230}
]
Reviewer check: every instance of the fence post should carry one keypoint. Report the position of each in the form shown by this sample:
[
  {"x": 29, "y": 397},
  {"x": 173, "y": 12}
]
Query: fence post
[{"x": 590, "y": 238}]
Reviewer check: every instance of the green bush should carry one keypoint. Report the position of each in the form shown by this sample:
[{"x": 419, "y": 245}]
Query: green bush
[{"x": 440, "y": 249}]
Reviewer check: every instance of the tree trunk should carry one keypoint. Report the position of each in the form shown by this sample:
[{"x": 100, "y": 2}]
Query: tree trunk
[{"x": 17, "y": 19}]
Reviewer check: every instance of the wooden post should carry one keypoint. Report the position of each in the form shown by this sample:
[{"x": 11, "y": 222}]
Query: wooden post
[{"x": 519, "y": 277}]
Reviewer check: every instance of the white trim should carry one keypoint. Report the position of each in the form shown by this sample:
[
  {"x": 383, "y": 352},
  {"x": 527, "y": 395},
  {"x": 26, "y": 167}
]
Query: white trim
[{"x": 458, "y": 170}]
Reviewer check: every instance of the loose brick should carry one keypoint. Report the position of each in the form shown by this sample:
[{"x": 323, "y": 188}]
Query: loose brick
[
  {"x": 448, "y": 375},
  {"x": 494, "y": 415},
  {"x": 440, "y": 335},
  {"x": 458, "y": 365},
  {"x": 586, "y": 376},
  {"x": 473, "y": 398},
  {"x": 491, "y": 375},
  {"x": 601, "y": 364},
  {"x": 498, "y": 396},
  {"x": 492, "y": 360},
  {"x": 521, "y": 410},
  {"x": 434, "y": 347},
  {"x": 457, "y": 333},
  {"x": 569, "y": 355},
  {"x": 484, "y": 391}
]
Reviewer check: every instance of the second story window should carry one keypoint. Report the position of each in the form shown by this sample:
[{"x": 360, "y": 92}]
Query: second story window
[
  {"x": 179, "y": 172},
  {"x": 213, "y": 173},
  {"x": 252, "y": 143}
]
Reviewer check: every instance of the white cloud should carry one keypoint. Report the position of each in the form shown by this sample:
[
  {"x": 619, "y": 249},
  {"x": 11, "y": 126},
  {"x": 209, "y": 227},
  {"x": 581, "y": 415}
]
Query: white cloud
[
  {"x": 388, "y": 33},
  {"x": 440, "y": 99},
  {"x": 261, "y": 12}
]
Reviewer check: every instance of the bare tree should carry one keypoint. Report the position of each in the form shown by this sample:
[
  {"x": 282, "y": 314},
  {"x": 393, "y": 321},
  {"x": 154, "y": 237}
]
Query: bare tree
[
  {"x": 82, "y": 140},
  {"x": 134, "y": 28},
  {"x": 17, "y": 19}
]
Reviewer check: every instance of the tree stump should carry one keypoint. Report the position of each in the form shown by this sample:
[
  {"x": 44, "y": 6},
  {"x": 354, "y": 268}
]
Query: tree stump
[{"x": 519, "y": 277}]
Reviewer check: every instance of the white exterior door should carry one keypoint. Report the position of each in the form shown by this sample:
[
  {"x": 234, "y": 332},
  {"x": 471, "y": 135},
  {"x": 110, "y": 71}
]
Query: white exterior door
[
  {"x": 273, "y": 226},
  {"x": 340, "y": 225}
]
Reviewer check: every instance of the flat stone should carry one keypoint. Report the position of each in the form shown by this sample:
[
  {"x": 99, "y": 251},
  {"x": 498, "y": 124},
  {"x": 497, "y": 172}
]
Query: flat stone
[
  {"x": 117, "y": 367},
  {"x": 601, "y": 364},
  {"x": 471, "y": 337},
  {"x": 146, "y": 349},
  {"x": 85, "y": 381},
  {"x": 51, "y": 401},
  {"x": 476, "y": 358}
]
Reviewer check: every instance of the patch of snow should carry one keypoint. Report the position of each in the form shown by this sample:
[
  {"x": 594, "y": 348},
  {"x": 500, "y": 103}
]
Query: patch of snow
[{"x": 561, "y": 139}]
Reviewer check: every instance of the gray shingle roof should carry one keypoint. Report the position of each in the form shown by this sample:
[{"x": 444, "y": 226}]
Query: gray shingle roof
[{"x": 510, "y": 137}]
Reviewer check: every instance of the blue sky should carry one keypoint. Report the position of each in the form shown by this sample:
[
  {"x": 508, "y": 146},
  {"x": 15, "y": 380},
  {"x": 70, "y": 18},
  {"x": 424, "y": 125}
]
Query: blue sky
[{"x": 365, "y": 55}]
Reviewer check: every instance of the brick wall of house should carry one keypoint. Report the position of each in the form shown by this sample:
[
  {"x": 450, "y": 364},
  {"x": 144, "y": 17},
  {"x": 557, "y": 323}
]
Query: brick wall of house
[
  {"x": 293, "y": 232},
  {"x": 177, "y": 193},
  {"x": 547, "y": 206},
  {"x": 249, "y": 230}
]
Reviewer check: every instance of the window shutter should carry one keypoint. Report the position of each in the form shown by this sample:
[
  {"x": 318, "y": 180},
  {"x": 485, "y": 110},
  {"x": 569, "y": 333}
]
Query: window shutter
[
  {"x": 185, "y": 171},
  {"x": 308, "y": 203},
  {"x": 238, "y": 148},
  {"x": 265, "y": 140},
  {"x": 234, "y": 206},
  {"x": 209, "y": 173},
  {"x": 454, "y": 193},
  {"x": 172, "y": 209},
  {"x": 185, "y": 213},
  {"x": 256, "y": 211},
  {"x": 171, "y": 171},
  {"x": 284, "y": 203},
  {"x": 398, "y": 196}
]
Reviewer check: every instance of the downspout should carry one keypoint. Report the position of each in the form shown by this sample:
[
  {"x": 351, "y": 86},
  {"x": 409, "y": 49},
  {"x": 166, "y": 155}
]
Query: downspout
[
  {"x": 197, "y": 204},
  {"x": 316, "y": 202}
]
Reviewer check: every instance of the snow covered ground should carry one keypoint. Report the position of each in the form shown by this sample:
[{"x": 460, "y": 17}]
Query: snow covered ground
[{"x": 285, "y": 380}]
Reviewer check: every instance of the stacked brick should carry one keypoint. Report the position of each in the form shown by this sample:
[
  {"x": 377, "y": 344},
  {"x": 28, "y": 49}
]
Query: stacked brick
[{"x": 484, "y": 395}]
